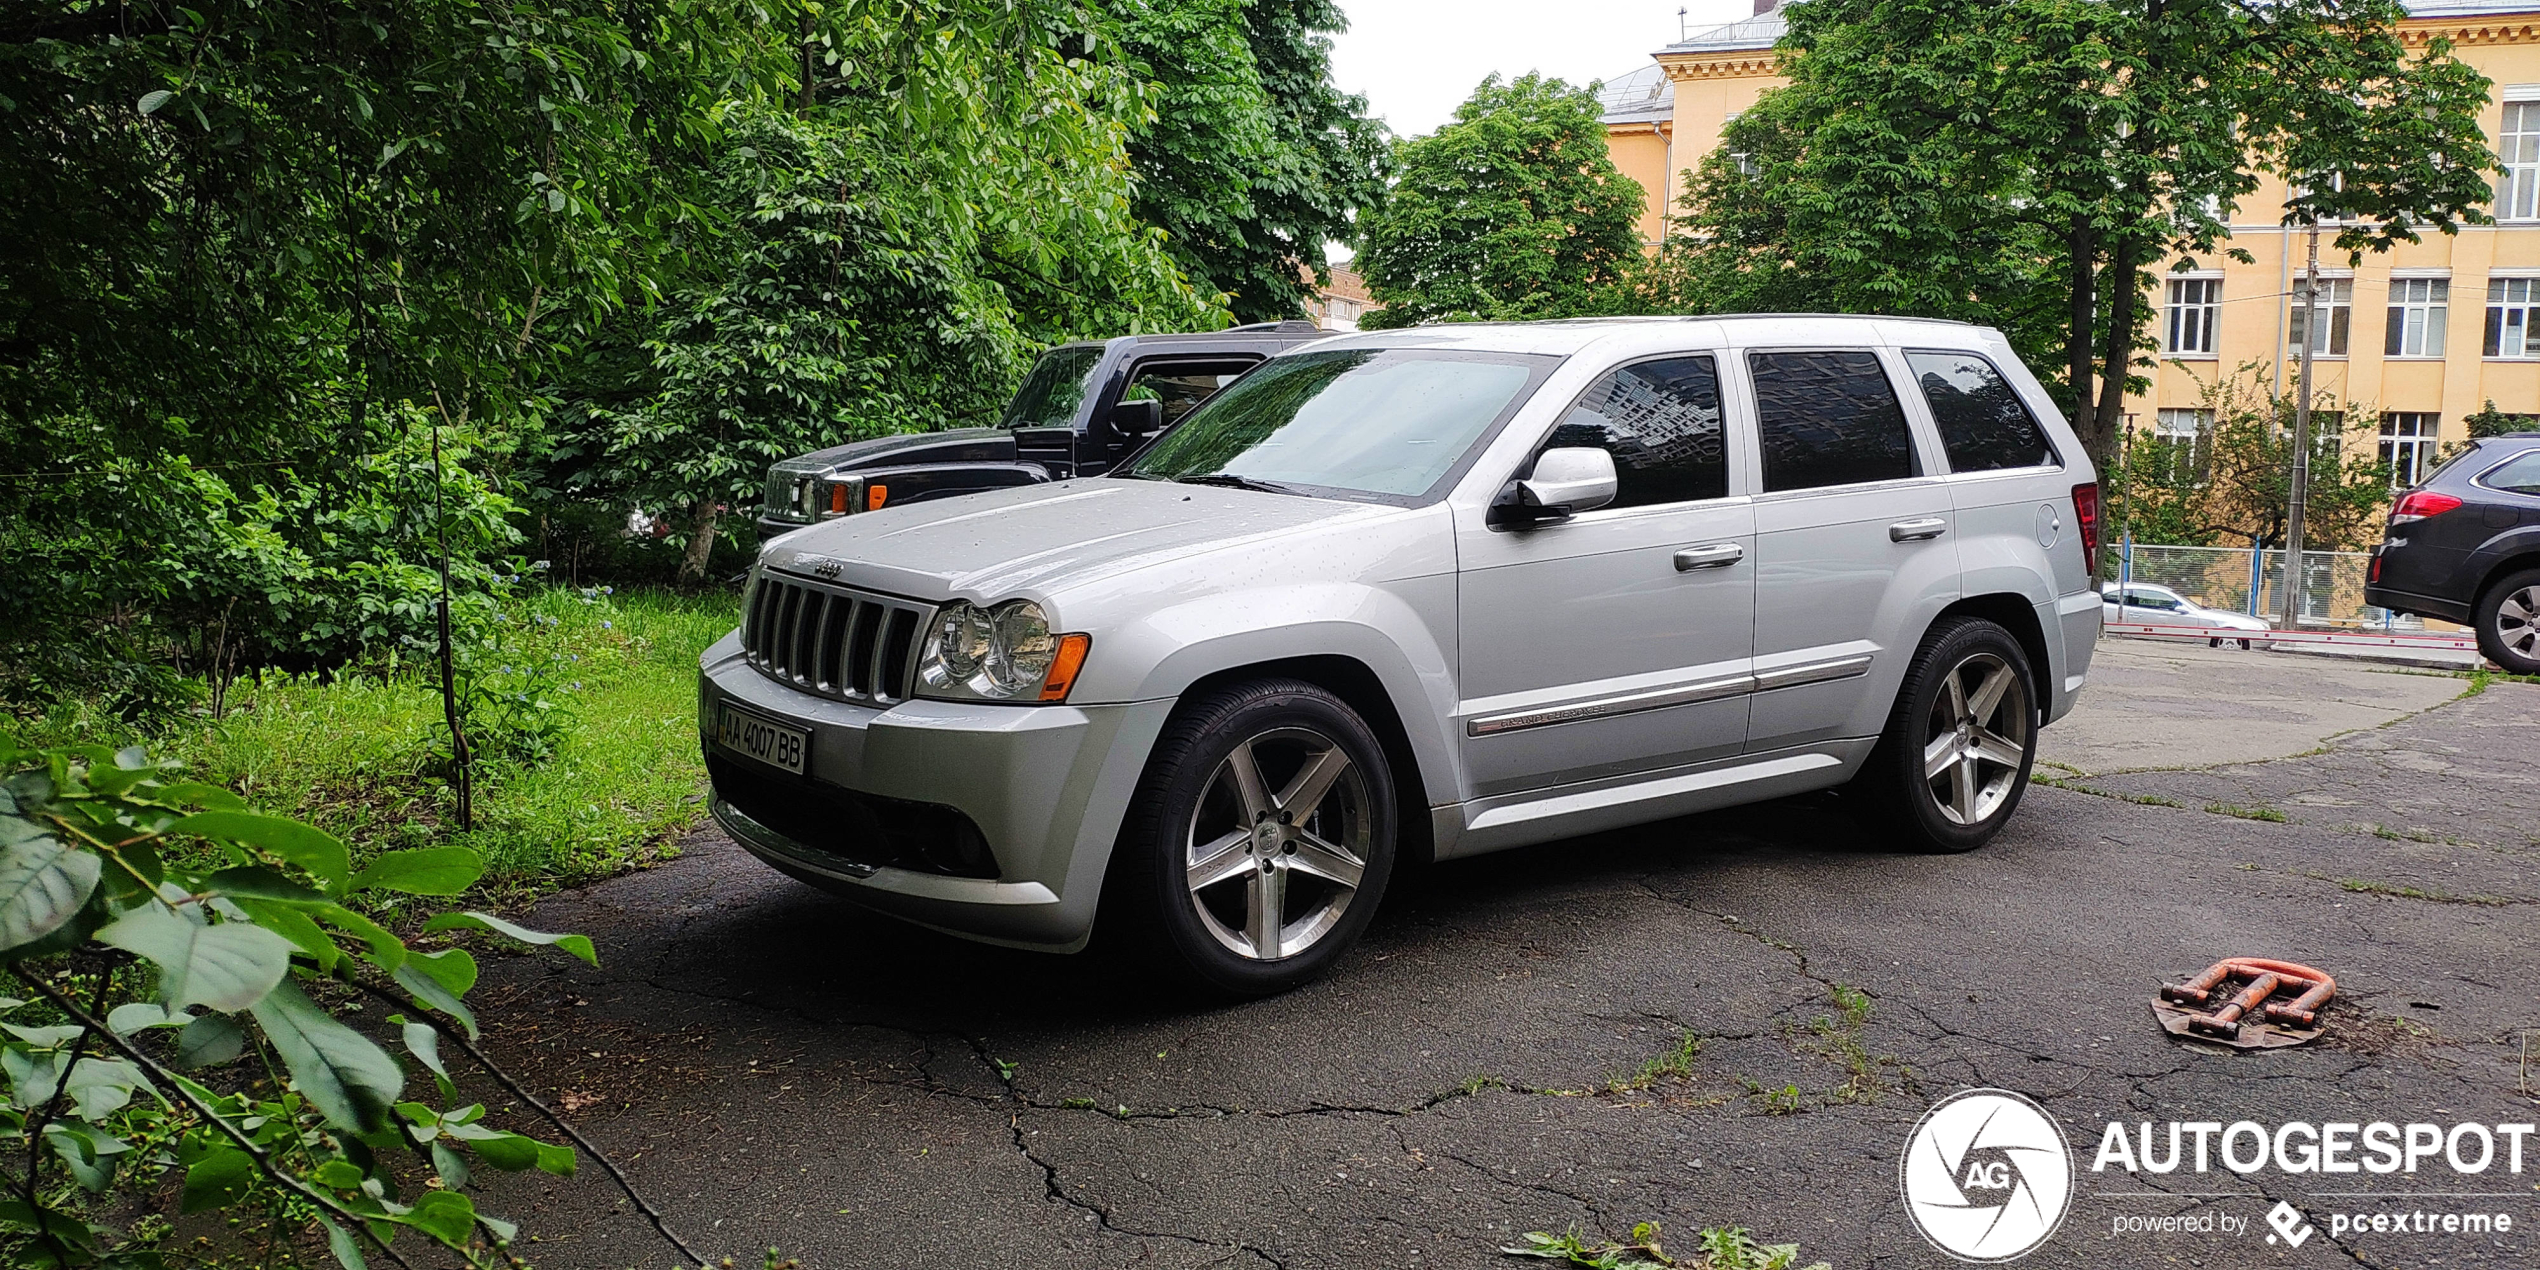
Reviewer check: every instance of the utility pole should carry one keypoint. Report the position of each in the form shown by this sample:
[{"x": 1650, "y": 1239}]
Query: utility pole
[{"x": 2292, "y": 597}]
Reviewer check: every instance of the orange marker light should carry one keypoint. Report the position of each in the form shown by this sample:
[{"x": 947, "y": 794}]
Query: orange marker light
[
  {"x": 873, "y": 496},
  {"x": 1063, "y": 668},
  {"x": 837, "y": 500}
]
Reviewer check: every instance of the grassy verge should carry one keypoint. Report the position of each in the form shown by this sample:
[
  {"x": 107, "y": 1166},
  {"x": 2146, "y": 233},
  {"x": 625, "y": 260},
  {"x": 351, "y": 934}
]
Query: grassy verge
[{"x": 357, "y": 754}]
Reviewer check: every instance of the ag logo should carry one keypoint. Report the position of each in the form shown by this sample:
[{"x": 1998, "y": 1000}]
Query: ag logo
[{"x": 1987, "y": 1175}]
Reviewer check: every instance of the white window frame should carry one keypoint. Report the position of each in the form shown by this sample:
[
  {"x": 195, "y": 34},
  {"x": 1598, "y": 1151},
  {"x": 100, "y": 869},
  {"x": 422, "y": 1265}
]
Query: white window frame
[
  {"x": 2518, "y": 154},
  {"x": 2419, "y": 310},
  {"x": 2197, "y": 320},
  {"x": 2410, "y": 453},
  {"x": 2512, "y": 329},
  {"x": 2337, "y": 300}
]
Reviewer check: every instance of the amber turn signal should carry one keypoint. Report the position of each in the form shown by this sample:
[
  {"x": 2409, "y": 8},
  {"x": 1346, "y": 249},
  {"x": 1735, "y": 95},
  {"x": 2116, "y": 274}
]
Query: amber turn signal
[
  {"x": 837, "y": 500},
  {"x": 873, "y": 496},
  {"x": 1063, "y": 667}
]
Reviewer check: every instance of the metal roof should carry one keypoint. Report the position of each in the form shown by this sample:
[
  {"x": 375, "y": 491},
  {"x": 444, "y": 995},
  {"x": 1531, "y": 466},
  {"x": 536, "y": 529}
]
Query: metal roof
[
  {"x": 1764, "y": 29},
  {"x": 1643, "y": 95}
]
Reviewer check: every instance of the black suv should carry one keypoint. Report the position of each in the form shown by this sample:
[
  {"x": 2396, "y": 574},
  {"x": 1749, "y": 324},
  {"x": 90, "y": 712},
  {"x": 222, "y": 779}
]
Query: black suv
[
  {"x": 1083, "y": 408},
  {"x": 2464, "y": 546}
]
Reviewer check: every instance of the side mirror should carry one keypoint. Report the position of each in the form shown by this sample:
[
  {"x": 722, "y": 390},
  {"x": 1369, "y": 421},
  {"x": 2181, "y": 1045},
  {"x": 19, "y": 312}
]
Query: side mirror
[
  {"x": 1134, "y": 421},
  {"x": 1566, "y": 481}
]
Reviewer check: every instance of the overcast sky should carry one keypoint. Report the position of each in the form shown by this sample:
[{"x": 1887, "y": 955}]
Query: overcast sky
[{"x": 1417, "y": 60}]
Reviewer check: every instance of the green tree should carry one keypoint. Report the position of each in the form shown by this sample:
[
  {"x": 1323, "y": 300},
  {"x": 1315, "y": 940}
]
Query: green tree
[
  {"x": 1512, "y": 211},
  {"x": 2492, "y": 422},
  {"x": 1253, "y": 160},
  {"x": 2030, "y": 163},
  {"x": 2232, "y": 484}
]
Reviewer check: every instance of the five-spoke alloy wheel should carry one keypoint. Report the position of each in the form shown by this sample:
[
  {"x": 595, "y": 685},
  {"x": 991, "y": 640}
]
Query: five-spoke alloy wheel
[
  {"x": 1259, "y": 841},
  {"x": 2509, "y": 622},
  {"x": 1955, "y": 757}
]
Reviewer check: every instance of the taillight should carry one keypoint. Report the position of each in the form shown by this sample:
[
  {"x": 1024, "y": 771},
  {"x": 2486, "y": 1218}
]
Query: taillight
[
  {"x": 2086, "y": 512},
  {"x": 2421, "y": 503},
  {"x": 2372, "y": 572}
]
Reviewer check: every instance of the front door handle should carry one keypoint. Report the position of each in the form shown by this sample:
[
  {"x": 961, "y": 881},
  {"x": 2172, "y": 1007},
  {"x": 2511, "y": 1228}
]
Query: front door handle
[
  {"x": 1718, "y": 555},
  {"x": 1917, "y": 530}
]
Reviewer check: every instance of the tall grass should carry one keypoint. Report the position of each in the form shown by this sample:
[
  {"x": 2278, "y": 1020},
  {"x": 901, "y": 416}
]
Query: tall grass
[{"x": 357, "y": 753}]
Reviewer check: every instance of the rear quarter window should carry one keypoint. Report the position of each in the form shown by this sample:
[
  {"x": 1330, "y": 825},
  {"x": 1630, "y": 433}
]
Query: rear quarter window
[
  {"x": 1984, "y": 426},
  {"x": 2518, "y": 476}
]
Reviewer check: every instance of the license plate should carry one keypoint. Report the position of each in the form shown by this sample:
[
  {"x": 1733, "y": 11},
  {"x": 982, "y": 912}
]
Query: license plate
[{"x": 762, "y": 738}]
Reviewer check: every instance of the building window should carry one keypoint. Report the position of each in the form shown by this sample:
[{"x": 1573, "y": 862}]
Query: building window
[
  {"x": 2513, "y": 318},
  {"x": 2181, "y": 425},
  {"x": 2195, "y": 304},
  {"x": 2518, "y": 153},
  {"x": 2418, "y": 310},
  {"x": 2407, "y": 445},
  {"x": 2337, "y": 309}
]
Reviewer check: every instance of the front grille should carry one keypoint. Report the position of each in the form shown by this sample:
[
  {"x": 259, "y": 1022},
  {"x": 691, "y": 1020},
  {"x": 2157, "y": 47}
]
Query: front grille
[
  {"x": 850, "y": 645},
  {"x": 855, "y": 829}
]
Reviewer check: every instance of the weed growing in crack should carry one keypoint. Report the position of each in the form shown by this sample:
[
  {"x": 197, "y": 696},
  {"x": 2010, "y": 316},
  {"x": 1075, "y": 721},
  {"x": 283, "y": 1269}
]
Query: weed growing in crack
[
  {"x": 1716, "y": 1248},
  {"x": 2366, "y": 886},
  {"x": 2147, "y": 800},
  {"x": 2268, "y": 814},
  {"x": 1676, "y": 1062}
]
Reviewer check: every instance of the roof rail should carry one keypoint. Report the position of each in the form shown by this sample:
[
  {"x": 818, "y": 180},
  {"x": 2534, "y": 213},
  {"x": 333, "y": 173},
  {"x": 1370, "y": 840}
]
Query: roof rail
[{"x": 1284, "y": 324}]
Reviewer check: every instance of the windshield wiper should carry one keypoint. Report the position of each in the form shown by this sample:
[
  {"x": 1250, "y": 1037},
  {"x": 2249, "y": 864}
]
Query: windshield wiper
[{"x": 1238, "y": 482}]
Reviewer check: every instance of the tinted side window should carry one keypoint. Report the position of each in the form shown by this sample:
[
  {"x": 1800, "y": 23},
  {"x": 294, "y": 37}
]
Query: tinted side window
[
  {"x": 1661, "y": 422},
  {"x": 2522, "y": 476},
  {"x": 1984, "y": 426},
  {"x": 1828, "y": 419}
]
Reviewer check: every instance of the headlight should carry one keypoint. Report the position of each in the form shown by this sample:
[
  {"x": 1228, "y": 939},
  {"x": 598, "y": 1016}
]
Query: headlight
[{"x": 1000, "y": 653}]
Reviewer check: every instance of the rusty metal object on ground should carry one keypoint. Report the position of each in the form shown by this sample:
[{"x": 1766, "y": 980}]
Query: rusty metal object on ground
[{"x": 2248, "y": 1019}]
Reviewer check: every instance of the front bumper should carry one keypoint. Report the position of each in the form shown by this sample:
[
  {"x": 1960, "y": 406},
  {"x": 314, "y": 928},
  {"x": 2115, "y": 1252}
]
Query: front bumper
[{"x": 1046, "y": 787}]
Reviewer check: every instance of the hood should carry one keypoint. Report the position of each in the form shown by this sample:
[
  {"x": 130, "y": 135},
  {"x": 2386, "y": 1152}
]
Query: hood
[
  {"x": 957, "y": 445},
  {"x": 1034, "y": 539}
]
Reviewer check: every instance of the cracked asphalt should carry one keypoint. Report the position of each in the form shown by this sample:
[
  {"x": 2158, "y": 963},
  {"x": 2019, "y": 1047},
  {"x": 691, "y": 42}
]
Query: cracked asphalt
[{"x": 1508, "y": 1050}]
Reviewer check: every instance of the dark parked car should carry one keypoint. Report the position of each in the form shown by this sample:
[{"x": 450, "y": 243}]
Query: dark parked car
[
  {"x": 1083, "y": 408},
  {"x": 2464, "y": 546}
]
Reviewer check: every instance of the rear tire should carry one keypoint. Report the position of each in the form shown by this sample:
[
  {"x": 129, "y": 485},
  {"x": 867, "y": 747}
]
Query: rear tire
[
  {"x": 1951, "y": 766},
  {"x": 2508, "y": 622},
  {"x": 1258, "y": 844}
]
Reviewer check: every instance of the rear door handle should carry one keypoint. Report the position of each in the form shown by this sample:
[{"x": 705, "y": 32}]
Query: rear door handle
[
  {"x": 1915, "y": 530},
  {"x": 1715, "y": 555}
]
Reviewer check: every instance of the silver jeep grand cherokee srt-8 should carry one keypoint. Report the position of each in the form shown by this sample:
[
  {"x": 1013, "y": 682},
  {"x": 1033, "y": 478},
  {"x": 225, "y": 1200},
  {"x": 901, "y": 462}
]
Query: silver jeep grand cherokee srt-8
[{"x": 1419, "y": 595}]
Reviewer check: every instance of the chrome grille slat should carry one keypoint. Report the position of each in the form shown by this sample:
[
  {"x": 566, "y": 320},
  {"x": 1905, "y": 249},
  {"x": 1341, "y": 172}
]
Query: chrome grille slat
[{"x": 834, "y": 641}]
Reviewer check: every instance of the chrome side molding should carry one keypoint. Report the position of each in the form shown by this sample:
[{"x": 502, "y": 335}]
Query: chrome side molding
[{"x": 1661, "y": 698}]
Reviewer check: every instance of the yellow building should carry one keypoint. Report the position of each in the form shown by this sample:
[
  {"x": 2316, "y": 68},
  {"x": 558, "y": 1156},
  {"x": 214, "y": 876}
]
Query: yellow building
[{"x": 2423, "y": 335}]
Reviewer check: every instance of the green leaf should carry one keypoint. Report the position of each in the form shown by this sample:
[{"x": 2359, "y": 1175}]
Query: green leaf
[
  {"x": 350, "y": 1081},
  {"x": 256, "y": 882},
  {"x": 218, "y": 1180},
  {"x": 555, "y": 1159},
  {"x": 425, "y": 1044},
  {"x": 197, "y": 794},
  {"x": 42, "y": 885},
  {"x": 449, "y": 1165},
  {"x": 298, "y": 927},
  {"x": 151, "y": 101},
  {"x": 103, "y": 1086},
  {"x": 386, "y": 950},
  {"x": 210, "y": 1041},
  {"x": 509, "y": 1152},
  {"x": 431, "y": 992},
  {"x": 347, "y": 1250},
  {"x": 227, "y": 966},
  {"x": 445, "y": 1215},
  {"x": 307, "y": 846},
  {"x": 137, "y": 1016},
  {"x": 425, "y": 871},
  {"x": 85, "y": 1149},
  {"x": 578, "y": 945},
  {"x": 338, "y": 1175},
  {"x": 455, "y": 968}
]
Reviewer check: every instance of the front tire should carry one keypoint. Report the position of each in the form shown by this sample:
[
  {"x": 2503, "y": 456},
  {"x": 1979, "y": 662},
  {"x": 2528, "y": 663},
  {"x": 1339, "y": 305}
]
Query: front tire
[
  {"x": 2508, "y": 622},
  {"x": 1259, "y": 842},
  {"x": 1951, "y": 766}
]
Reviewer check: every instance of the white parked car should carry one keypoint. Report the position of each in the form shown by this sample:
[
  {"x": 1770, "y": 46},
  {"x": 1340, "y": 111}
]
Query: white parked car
[
  {"x": 1417, "y": 595},
  {"x": 2144, "y": 604}
]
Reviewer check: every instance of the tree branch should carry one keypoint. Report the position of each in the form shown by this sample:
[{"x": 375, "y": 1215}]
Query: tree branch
[
  {"x": 513, "y": 1087},
  {"x": 173, "y": 1081}
]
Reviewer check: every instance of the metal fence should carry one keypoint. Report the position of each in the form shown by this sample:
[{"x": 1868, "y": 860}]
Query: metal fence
[{"x": 2237, "y": 579}]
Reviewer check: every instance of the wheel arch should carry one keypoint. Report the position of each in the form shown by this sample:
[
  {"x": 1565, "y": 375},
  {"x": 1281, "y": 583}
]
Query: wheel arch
[
  {"x": 1358, "y": 687},
  {"x": 2017, "y": 615}
]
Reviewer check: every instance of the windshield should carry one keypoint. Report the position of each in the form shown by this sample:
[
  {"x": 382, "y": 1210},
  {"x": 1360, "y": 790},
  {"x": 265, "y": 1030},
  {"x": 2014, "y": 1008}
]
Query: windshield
[
  {"x": 1386, "y": 423},
  {"x": 1056, "y": 386}
]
